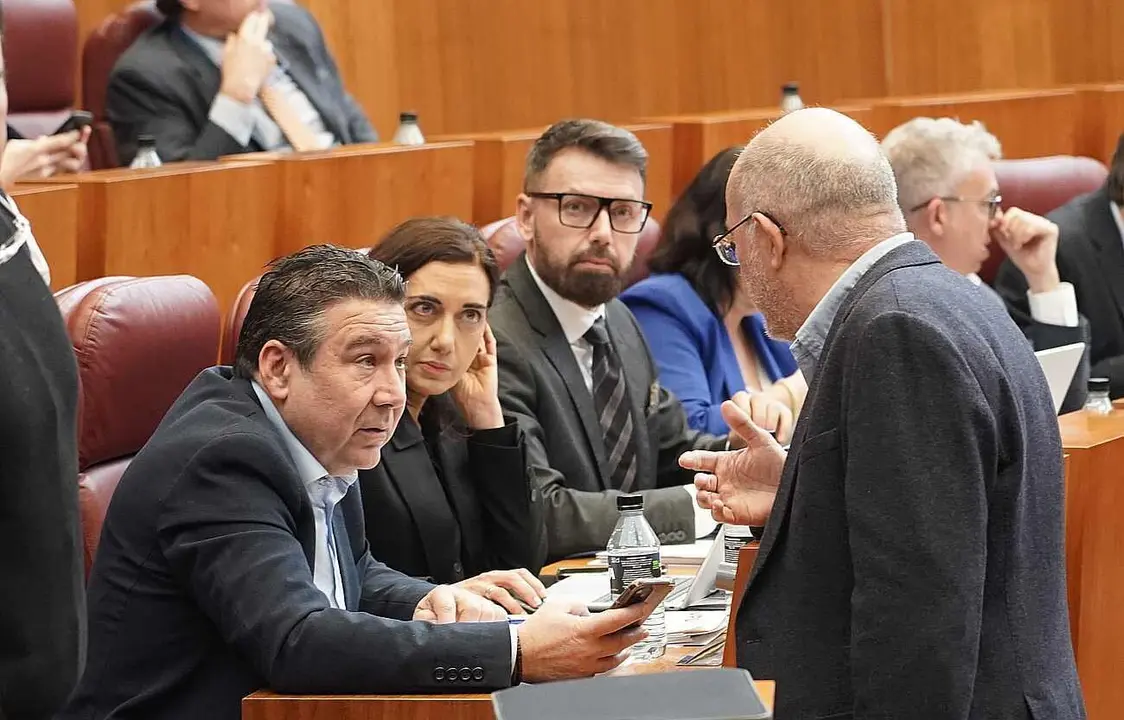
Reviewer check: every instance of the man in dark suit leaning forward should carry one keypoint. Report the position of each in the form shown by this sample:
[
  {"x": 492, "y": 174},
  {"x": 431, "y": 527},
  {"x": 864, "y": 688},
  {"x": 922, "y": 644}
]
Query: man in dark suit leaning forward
[
  {"x": 574, "y": 366},
  {"x": 233, "y": 555},
  {"x": 913, "y": 564},
  {"x": 222, "y": 77}
]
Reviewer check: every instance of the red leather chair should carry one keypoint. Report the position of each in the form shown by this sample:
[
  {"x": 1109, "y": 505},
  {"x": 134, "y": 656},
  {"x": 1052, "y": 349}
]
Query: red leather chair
[
  {"x": 234, "y": 321},
  {"x": 41, "y": 52},
  {"x": 99, "y": 54},
  {"x": 139, "y": 342},
  {"x": 507, "y": 244},
  {"x": 1041, "y": 185}
]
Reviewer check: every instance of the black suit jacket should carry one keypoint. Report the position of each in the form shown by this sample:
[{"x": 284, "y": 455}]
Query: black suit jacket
[
  {"x": 164, "y": 85},
  {"x": 913, "y": 566},
  {"x": 202, "y": 590},
  {"x": 1091, "y": 256},
  {"x": 447, "y": 504},
  {"x": 542, "y": 386}
]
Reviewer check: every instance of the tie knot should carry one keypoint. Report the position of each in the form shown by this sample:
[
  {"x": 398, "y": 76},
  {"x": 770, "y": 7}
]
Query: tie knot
[{"x": 597, "y": 334}]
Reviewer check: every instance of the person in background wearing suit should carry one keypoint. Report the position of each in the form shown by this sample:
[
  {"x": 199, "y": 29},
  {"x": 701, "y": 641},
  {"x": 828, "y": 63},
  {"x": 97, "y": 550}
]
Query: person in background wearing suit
[
  {"x": 1091, "y": 257},
  {"x": 233, "y": 555},
  {"x": 574, "y": 367},
  {"x": 913, "y": 561},
  {"x": 42, "y": 611},
  {"x": 29, "y": 160},
  {"x": 450, "y": 499},
  {"x": 221, "y": 77},
  {"x": 950, "y": 197},
  {"x": 710, "y": 343}
]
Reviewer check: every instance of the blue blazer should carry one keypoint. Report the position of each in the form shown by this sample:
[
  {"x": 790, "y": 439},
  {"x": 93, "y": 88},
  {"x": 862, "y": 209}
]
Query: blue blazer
[{"x": 693, "y": 350}]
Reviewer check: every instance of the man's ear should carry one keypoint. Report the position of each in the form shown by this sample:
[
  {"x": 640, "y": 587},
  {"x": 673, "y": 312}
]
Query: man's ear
[
  {"x": 775, "y": 239},
  {"x": 524, "y": 217},
  {"x": 936, "y": 217},
  {"x": 275, "y": 369}
]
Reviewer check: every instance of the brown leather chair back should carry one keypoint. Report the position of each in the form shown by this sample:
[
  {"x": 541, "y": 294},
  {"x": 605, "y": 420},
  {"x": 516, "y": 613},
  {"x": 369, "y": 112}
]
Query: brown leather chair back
[
  {"x": 99, "y": 54},
  {"x": 138, "y": 342},
  {"x": 507, "y": 245},
  {"x": 41, "y": 53},
  {"x": 1041, "y": 185}
]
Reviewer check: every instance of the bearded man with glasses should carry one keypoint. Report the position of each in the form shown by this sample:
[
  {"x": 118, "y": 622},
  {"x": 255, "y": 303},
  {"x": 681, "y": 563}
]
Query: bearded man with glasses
[{"x": 574, "y": 367}]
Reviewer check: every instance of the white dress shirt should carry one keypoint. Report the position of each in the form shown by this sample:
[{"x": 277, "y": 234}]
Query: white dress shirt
[
  {"x": 1056, "y": 307},
  {"x": 325, "y": 491},
  {"x": 243, "y": 122},
  {"x": 23, "y": 236},
  {"x": 576, "y": 322}
]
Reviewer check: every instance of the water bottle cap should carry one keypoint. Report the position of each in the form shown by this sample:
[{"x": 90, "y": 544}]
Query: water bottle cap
[
  {"x": 146, "y": 140},
  {"x": 630, "y": 502},
  {"x": 790, "y": 88},
  {"x": 408, "y": 116},
  {"x": 1098, "y": 385}
]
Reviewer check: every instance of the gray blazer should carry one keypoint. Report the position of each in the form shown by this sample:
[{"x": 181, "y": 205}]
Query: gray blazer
[
  {"x": 542, "y": 386},
  {"x": 913, "y": 566},
  {"x": 164, "y": 85}
]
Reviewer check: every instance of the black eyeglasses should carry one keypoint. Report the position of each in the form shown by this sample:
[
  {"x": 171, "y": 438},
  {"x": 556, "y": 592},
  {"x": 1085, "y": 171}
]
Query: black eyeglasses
[
  {"x": 724, "y": 244},
  {"x": 581, "y": 211},
  {"x": 991, "y": 203}
]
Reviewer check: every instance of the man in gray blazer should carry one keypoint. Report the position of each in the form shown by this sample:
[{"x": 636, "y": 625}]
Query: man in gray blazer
[
  {"x": 222, "y": 77},
  {"x": 574, "y": 366},
  {"x": 912, "y": 565}
]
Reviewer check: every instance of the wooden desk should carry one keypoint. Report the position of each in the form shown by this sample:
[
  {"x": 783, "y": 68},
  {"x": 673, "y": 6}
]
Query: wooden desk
[
  {"x": 353, "y": 195},
  {"x": 1101, "y": 120},
  {"x": 1094, "y": 547},
  {"x": 53, "y": 212},
  {"x": 211, "y": 220},
  {"x": 501, "y": 157},
  {"x": 269, "y": 706},
  {"x": 1018, "y": 118}
]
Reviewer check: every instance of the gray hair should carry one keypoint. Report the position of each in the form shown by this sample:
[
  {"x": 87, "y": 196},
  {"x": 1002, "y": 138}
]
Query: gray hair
[
  {"x": 932, "y": 156},
  {"x": 292, "y": 297},
  {"x": 827, "y": 193},
  {"x": 608, "y": 142}
]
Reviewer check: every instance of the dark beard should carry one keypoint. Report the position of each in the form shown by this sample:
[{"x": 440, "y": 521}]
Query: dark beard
[{"x": 586, "y": 288}]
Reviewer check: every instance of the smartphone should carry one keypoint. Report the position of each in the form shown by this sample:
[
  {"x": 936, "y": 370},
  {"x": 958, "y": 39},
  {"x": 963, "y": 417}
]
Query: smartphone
[
  {"x": 643, "y": 589},
  {"x": 77, "y": 120}
]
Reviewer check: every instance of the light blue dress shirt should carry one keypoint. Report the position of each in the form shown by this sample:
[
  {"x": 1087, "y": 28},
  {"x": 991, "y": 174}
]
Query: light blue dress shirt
[
  {"x": 808, "y": 344},
  {"x": 243, "y": 122},
  {"x": 325, "y": 490}
]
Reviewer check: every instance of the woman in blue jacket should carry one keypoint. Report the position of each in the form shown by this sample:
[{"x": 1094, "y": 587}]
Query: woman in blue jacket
[{"x": 708, "y": 341}]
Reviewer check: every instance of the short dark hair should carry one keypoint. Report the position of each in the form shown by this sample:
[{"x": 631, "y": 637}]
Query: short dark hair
[
  {"x": 608, "y": 142},
  {"x": 419, "y": 241},
  {"x": 170, "y": 8},
  {"x": 292, "y": 296},
  {"x": 692, "y": 223},
  {"x": 1115, "y": 183}
]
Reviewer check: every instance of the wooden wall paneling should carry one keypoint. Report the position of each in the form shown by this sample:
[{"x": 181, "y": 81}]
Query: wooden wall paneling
[
  {"x": 353, "y": 195},
  {"x": 1028, "y": 123},
  {"x": 1085, "y": 35},
  {"x": 53, "y": 213},
  {"x": 1101, "y": 121},
  {"x": 210, "y": 220}
]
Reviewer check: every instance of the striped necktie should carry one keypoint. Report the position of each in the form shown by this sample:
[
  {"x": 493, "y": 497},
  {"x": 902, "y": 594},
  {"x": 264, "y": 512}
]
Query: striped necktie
[{"x": 610, "y": 398}]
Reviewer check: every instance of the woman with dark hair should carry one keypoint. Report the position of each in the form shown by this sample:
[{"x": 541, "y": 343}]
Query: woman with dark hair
[
  {"x": 450, "y": 499},
  {"x": 709, "y": 342}
]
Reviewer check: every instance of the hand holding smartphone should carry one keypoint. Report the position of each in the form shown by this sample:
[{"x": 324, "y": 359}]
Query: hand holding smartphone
[{"x": 78, "y": 119}]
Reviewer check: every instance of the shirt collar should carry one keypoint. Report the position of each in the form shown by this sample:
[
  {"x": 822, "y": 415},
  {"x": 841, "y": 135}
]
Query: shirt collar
[
  {"x": 308, "y": 467},
  {"x": 808, "y": 343},
  {"x": 974, "y": 279},
  {"x": 574, "y": 319},
  {"x": 212, "y": 47}
]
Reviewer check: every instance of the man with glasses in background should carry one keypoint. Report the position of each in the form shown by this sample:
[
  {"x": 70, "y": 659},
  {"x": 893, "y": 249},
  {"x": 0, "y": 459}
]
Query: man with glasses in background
[
  {"x": 574, "y": 366},
  {"x": 949, "y": 194}
]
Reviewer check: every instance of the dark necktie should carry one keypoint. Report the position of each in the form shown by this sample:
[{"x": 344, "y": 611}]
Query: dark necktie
[{"x": 610, "y": 397}]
